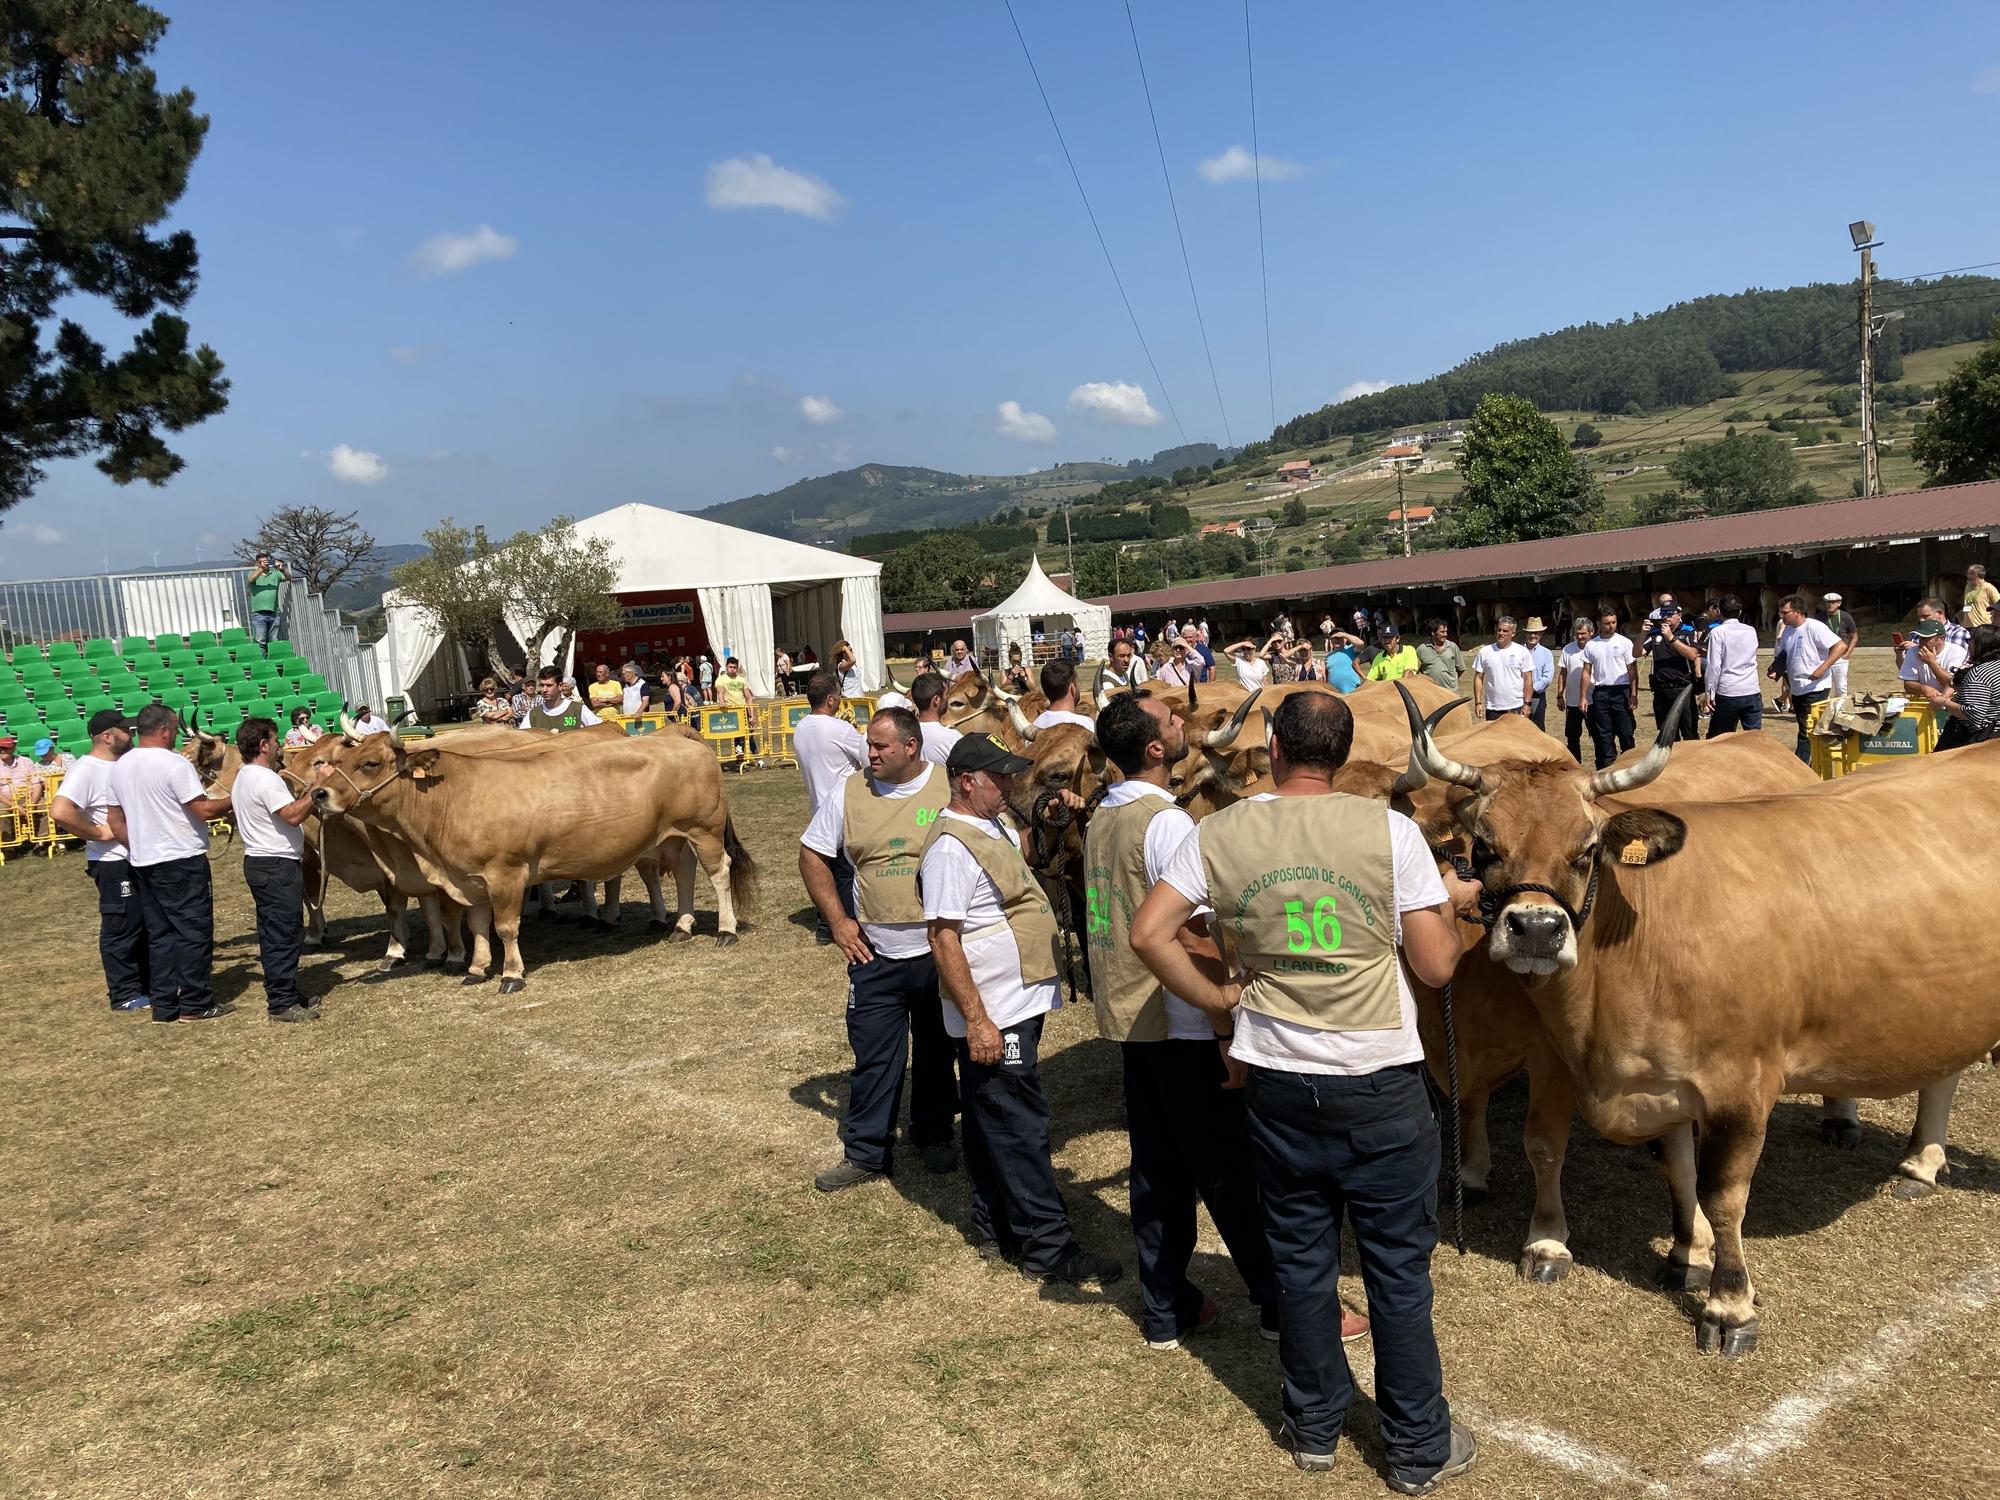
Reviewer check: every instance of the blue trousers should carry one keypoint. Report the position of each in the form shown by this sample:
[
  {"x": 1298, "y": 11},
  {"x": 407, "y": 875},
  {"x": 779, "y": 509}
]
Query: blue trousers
[
  {"x": 1746, "y": 712},
  {"x": 1190, "y": 1140},
  {"x": 1802, "y": 705},
  {"x": 894, "y": 1024},
  {"x": 178, "y": 900},
  {"x": 1366, "y": 1148},
  {"x": 121, "y": 931},
  {"x": 277, "y": 888},
  {"x": 1015, "y": 1200},
  {"x": 1611, "y": 728},
  {"x": 264, "y": 628}
]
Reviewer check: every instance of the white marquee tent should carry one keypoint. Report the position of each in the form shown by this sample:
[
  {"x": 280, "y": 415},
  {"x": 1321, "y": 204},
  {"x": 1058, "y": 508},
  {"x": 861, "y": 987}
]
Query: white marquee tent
[
  {"x": 753, "y": 591},
  {"x": 1039, "y": 605}
]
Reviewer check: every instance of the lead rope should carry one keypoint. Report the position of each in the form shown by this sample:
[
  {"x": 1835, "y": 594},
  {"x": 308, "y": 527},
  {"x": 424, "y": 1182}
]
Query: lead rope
[{"x": 1457, "y": 1130}]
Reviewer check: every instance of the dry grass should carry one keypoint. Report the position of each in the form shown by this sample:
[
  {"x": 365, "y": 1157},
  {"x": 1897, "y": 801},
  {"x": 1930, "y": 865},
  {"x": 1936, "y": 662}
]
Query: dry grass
[{"x": 566, "y": 1245}]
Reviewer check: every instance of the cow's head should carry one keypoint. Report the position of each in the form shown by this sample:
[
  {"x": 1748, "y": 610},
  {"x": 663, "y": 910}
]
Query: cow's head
[
  {"x": 1065, "y": 759},
  {"x": 370, "y": 769},
  {"x": 972, "y": 705},
  {"x": 215, "y": 759},
  {"x": 1540, "y": 839}
]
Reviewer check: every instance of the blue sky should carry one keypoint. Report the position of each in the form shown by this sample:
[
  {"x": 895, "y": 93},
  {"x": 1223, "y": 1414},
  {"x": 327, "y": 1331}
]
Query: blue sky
[{"x": 499, "y": 260}]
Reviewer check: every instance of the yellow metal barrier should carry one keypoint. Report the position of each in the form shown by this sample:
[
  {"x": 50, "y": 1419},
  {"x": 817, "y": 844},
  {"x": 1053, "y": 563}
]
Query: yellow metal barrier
[
  {"x": 781, "y": 723},
  {"x": 1912, "y": 732},
  {"x": 25, "y": 822},
  {"x": 733, "y": 734}
]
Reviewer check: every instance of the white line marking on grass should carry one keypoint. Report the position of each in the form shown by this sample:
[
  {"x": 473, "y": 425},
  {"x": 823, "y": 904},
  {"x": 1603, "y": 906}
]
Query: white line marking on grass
[
  {"x": 1562, "y": 1450},
  {"x": 1789, "y": 1423}
]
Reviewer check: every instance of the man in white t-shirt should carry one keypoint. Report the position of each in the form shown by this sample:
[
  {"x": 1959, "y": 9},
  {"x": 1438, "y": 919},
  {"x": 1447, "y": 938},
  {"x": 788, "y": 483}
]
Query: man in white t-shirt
[
  {"x": 1809, "y": 650},
  {"x": 269, "y": 823},
  {"x": 1503, "y": 675},
  {"x": 1123, "y": 668},
  {"x": 992, "y": 936},
  {"x": 1607, "y": 689},
  {"x": 1729, "y": 671},
  {"x": 829, "y": 750},
  {"x": 81, "y": 805},
  {"x": 1059, "y": 687},
  {"x": 1572, "y": 665},
  {"x": 928, "y": 694},
  {"x": 877, "y": 821},
  {"x": 157, "y": 807},
  {"x": 368, "y": 722},
  {"x": 1931, "y": 660},
  {"x": 1321, "y": 901},
  {"x": 1189, "y": 1136}
]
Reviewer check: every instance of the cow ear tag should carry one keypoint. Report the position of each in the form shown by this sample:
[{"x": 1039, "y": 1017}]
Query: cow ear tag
[
  {"x": 418, "y": 773},
  {"x": 1633, "y": 853}
]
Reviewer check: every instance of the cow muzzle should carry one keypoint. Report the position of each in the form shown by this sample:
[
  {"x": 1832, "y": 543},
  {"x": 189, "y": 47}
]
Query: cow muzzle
[{"x": 1533, "y": 939}]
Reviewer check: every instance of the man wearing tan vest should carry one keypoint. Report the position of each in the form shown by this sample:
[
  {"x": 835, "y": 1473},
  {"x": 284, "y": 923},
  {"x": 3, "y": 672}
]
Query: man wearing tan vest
[
  {"x": 995, "y": 942},
  {"x": 878, "y": 820},
  {"x": 1185, "y": 1120},
  {"x": 1320, "y": 900}
]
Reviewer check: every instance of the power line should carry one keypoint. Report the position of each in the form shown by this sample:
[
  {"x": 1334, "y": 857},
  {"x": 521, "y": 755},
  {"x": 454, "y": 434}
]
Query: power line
[
  {"x": 1186, "y": 264},
  {"x": 1257, "y": 172},
  {"x": 1927, "y": 275},
  {"x": 1077, "y": 178}
]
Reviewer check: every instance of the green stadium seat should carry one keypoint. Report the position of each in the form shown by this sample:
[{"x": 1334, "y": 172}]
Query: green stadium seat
[
  {"x": 235, "y": 635},
  {"x": 96, "y": 703},
  {"x": 130, "y": 646},
  {"x": 26, "y": 652},
  {"x": 63, "y": 651},
  {"x": 12, "y": 692},
  {"x": 263, "y": 671},
  {"x": 118, "y": 682},
  {"x": 311, "y": 685},
  {"x": 167, "y": 643},
  {"x": 244, "y": 651},
  {"x": 175, "y": 698},
  {"x": 27, "y": 730},
  {"x": 131, "y": 703},
  {"x": 198, "y": 639},
  {"x": 214, "y": 656},
  {"x": 146, "y": 661},
  {"x": 98, "y": 647}
]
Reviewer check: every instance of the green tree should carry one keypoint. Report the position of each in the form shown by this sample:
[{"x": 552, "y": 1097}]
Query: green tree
[
  {"x": 943, "y": 571},
  {"x": 1960, "y": 440},
  {"x": 318, "y": 546},
  {"x": 459, "y": 591},
  {"x": 1295, "y": 512},
  {"x": 1345, "y": 545},
  {"x": 1521, "y": 480},
  {"x": 95, "y": 158},
  {"x": 560, "y": 582},
  {"x": 1751, "y": 471},
  {"x": 1586, "y": 436},
  {"x": 1099, "y": 572}
]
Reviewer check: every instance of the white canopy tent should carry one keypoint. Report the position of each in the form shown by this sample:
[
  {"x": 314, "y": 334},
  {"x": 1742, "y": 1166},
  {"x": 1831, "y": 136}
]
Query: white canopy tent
[
  {"x": 1039, "y": 605},
  {"x": 752, "y": 590}
]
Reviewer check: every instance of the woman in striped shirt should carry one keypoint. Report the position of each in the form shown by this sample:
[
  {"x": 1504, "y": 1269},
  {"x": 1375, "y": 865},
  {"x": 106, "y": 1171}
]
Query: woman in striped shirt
[{"x": 1974, "y": 699}]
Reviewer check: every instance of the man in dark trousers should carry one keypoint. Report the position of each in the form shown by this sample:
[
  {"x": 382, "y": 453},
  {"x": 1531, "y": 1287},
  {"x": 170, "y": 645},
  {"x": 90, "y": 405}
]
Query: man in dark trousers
[
  {"x": 1183, "y": 1109},
  {"x": 159, "y": 810},
  {"x": 877, "y": 820},
  {"x": 1320, "y": 900},
  {"x": 81, "y": 806},
  {"x": 268, "y": 819}
]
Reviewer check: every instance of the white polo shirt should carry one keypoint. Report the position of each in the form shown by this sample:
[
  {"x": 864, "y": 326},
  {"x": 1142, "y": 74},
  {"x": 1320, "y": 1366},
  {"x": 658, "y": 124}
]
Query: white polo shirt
[
  {"x": 88, "y": 785},
  {"x": 255, "y": 799},
  {"x": 1805, "y": 647},
  {"x": 1731, "y": 661},
  {"x": 827, "y": 834},
  {"x": 828, "y": 750},
  {"x": 1048, "y": 718},
  {"x": 1171, "y": 826},
  {"x": 1502, "y": 669},
  {"x": 956, "y": 889},
  {"x": 938, "y": 740},
  {"x": 1610, "y": 659},
  {"x": 1573, "y": 662},
  {"x": 1267, "y": 1042},
  {"x": 154, "y": 787}
]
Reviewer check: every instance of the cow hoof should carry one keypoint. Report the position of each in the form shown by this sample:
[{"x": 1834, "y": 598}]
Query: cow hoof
[
  {"x": 1543, "y": 1267},
  {"x": 1712, "y": 1337},
  {"x": 725, "y": 940},
  {"x": 472, "y": 979},
  {"x": 387, "y": 966},
  {"x": 604, "y": 926},
  {"x": 1674, "y": 1276},
  {"x": 1845, "y": 1134},
  {"x": 680, "y": 935},
  {"x": 512, "y": 986},
  {"x": 1909, "y": 1189}
]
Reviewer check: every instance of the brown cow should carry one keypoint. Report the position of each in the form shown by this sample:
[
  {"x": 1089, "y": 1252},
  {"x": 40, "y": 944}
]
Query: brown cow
[
  {"x": 486, "y": 826},
  {"x": 1599, "y": 907}
]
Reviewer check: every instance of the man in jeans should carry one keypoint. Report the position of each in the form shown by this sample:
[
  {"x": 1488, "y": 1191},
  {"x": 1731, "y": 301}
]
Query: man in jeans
[
  {"x": 158, "y": 809},
  {"x": 1729, "y": 669},
  {"x": 1809, "y": 650},
  {"x": 1607, "y": 689},
  {"x": 267, "y": 581},
  {"x": 1326, "y": 1023},
  {"x": 80, "y": 808},
  {"x": 268, "y": 819}
]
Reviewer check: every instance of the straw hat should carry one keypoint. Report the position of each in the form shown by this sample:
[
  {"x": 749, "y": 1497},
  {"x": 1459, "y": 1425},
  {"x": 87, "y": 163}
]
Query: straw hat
[{"x": 1534, "y": 625}]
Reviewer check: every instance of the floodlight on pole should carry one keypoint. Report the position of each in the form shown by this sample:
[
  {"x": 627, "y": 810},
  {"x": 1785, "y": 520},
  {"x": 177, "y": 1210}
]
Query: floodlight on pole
[{"x": 1863, "y": 234}]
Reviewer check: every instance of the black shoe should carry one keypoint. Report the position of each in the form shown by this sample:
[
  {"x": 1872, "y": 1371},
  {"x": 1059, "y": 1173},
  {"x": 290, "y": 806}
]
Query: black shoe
[
  {"x": 290, "y": 1013},
  {"x": 1081, "y": 1266},
  {"x": 846, "y": 1174},
  {"x": 1267, "y": 1320},
  {"x": 209, "y": 1012},
  {"x": 1464, "y": 1454},
  {"x": 939, "y": 1157}
]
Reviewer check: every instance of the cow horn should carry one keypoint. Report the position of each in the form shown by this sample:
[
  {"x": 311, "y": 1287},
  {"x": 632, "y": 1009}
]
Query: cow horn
[
  {"x": 1224, "y": 737},
  {"x": 1194, "y": 701},
  {"x": 1425, "y": 755},
  {"x": 1002, "y": 694},
  {"x": 1020, "y": 720},
  {"x": 1650, "y": 765},
  {"x": 347, "y": 729},
  {"x": 1416, "y": 778}
]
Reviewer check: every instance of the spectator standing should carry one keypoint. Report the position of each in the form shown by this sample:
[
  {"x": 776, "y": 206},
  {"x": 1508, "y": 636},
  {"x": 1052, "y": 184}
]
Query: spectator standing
[
  {"x": 1503, "y": 675},
  {"x": 783, "y": 673},
  {"x": 1343, "y": 662},
  {"x": 1676, "y": 668},
  {"x": 1574, "y": 664},
  {"x": 847, "y": 663},
  {"x": 268, "y": 819},
  {"x": 1253, "y": 666},
  {"x": 1607, "y": 689},
  {"x": 521, "y": 696},
  {"x": 553, "y": 710},
  {"x": 1305, "y": 664},
  {"x": 1199, "y": 652},
  {"x": 1544, "y": 672},
  {"x": 1177, "y": 670},
  {"x": 606, "y": 694},
  {"x": 828, "y": 749},
  {"x": 81, "y": 807},
  {"x": 159, "y": 810},
  {"x": 1656, "y": 621},
  {"x": 669, "y": 697},
  {"x": 1438, "y": 658},
  {"x": 705, "y": 673},
  {"x": 732, "y": 690},
  {"x": 927, "y": 692},
  {"x": 635, "y": 695},
  {"x": 1139, "y": 636},
  {"x": 1016, "y": 679},
  {"x": 1974, "y": 701},
  {"x": 1201, "y": 633},
  {"x": 1808, "y": 650},
  {"x": 1326, "y": 632},
  {"x": 1729, "y": 671},
  {"x": 266, "y": 588},
  {"x": 960, "y": 661},
  {"x": 1844, "y": 625},
  {"x": 1980, "y": 597},
  {"x": 1395, "y": 659}
]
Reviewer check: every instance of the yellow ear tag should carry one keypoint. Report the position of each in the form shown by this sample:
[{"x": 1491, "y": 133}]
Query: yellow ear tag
[
  {"x": 1633, "y": 853},
  {"x": 418, "y": 773}
]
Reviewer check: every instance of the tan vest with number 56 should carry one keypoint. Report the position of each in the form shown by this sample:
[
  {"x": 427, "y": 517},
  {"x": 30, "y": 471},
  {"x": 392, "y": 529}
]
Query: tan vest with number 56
[
  {"x": 1022, "y": 904},
  {"x": 1304, "y": 890},
  {"x": 885, "y": 837}
]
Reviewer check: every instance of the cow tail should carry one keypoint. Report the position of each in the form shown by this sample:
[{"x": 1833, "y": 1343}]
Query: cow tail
[{"x": 742, "y": 868}]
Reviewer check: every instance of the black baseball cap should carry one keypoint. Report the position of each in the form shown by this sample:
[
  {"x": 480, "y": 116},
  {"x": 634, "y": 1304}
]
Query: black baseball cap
[
  {"x": 107, "y": 718},
  {"x": 984, "y": 752}
]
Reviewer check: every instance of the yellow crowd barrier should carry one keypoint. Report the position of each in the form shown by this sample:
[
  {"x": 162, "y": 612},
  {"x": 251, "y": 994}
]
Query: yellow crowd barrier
[
  {"x": 25, "y": 823},
  {"x": 740, "y": 738},
  {"x": 1912, "y": 732}
]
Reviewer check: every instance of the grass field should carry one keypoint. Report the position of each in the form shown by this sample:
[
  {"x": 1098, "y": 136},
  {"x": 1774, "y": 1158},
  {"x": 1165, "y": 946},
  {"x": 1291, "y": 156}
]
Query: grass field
[{"x": 565, "y": 1244}]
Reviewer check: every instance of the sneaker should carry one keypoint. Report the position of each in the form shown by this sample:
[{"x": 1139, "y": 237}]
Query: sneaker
[
  {"x": 1204, "y": 1320},
  {"x": 1081, "y": 1266},
  {"x": 1311, "y": 1463},
  {"x": 291, "y": 1013},
  {"x": 939, "y": 1157},
  {"x": 846, "y": 1174},
  {"x": 1353, "y": 1325},
  {"x": 209, "y": 1012},
  {"x": 137, "y": 1002},
  {"x": 1267, "y": 1321},
  {"x": 1464, "y": 1454}
]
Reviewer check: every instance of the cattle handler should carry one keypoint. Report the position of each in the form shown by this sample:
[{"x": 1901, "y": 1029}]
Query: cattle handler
[
  {"x": 994, "y": 939},
  {"x": 1321, "y": 899},
  {"x": 877, "y": 821}
]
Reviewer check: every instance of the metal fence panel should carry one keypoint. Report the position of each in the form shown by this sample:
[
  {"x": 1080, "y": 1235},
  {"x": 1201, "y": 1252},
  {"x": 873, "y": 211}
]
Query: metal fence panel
[{"x": 177, "y": 603}]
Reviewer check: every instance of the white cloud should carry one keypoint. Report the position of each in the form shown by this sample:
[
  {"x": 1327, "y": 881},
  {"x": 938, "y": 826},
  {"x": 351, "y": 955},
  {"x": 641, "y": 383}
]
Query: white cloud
[
  {"x": 413, "y": 354},
  {"x": 782, "y": 454},
  {"x": 1355, "y": 388},
  {"x": 1238, "y": 165},
  {"x": 356, "y": 465},
  {"x": 1114, "y": 401},
  {"x": 48, "y": 536},
  {"x": 444, "y": 254},
  {"x": 1988, "y": 82},
  {"x": 819, "y": 410},
  {"x": 755, "y": 181},
  {"x": 1027, "y": 426}
]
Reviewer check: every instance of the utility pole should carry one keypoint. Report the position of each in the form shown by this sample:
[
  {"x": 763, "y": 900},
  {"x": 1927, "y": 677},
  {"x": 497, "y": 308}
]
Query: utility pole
[
  {"x": 1402, "y": 509},
  {"x": 1863, "y": 234}
]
